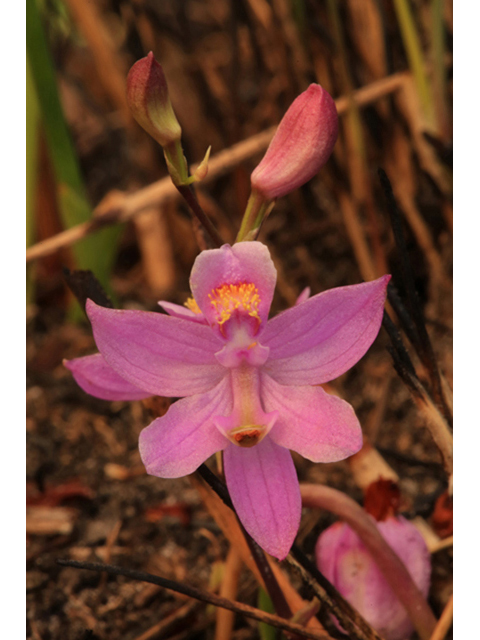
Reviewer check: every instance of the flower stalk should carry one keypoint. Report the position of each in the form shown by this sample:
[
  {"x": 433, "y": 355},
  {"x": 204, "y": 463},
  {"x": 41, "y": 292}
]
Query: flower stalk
[{"x": 258, "y": 208}]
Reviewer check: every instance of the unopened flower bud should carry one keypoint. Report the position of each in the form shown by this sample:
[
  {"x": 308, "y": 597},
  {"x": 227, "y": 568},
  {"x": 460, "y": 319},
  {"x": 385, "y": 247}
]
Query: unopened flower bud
[
  {"x": 343, "y": 559},
  {"x": 301, "y": 145},
  {"x": 149, "y": 102}
]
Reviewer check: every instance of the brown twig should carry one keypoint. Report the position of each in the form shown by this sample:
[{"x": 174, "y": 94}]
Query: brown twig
[
  {"x": 351, "y": 621},
  {"x": 120, "y": 207},
  {"x": 443, "y": 625},
  {"x": 198, "y": 594}
]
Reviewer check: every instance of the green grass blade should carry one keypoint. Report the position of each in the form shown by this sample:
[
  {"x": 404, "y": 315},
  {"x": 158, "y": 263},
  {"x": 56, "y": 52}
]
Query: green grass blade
[
  {"x": 411, "y": 42},
  {"x": 32, "y": 122},
  {"x": 96, "y": 252},
  {"x": 264, "y": 603}
]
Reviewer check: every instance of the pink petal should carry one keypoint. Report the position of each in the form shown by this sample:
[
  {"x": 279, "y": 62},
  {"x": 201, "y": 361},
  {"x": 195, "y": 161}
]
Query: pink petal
[
  {"x": 245, "y": 262},
  {"x": 163, "y": 355},
  {"x": 320, "y": 427},
  {"x": 305, "y": 295},
  {"x": 264, "y": 489},
  {"x": 177, "y": 443},
  {"x": 95, "y": 377},
  {"x": 179, "y": 311},
  {"x": 321, "y": 338}
]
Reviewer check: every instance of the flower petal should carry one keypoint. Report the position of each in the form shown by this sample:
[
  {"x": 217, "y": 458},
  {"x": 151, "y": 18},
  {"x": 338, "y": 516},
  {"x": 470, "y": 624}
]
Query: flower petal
[
  {"x": 264, "y": 489},
  {"x": 177, "y": 443},
  {"x": 95, "y": 377},
  {"x": 179, "y": 311},
  {"x": 320, "y": 427},
  {"x": 163, "y": 355},
  {"x": 321, "y": 338},
  {"x": 245, "y": 262}
]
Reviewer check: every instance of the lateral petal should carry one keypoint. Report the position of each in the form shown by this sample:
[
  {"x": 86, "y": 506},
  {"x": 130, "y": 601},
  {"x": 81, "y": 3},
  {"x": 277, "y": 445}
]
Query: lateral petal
[
  {"x": 245, "y": 262},
  {"x": 97, "y": 378},
  {"x": 321, "y": 338},
  {"x": 318, "y": 426},
  {"x": 264, "y": 489},
  {"x": 177, "y": 443},
  {"x": 165, "y": 356}
]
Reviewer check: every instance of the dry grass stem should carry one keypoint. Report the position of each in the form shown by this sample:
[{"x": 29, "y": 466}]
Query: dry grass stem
[
  {"x": 228, "y": 589},
  {"x": 445, "y": 622}
]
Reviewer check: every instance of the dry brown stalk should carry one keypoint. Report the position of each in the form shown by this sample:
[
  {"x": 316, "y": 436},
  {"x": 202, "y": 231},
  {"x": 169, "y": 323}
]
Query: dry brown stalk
[
  {"x": 443, "y": 625},
  {"x": 107, "y": 65},
  {"x": 228, "y": 589},
  {"x": 169, "y": 622},
  {"x": 118, "y": 207},
  {"x": 400, "y": 170},
  {"x": 357, "y": 237}
]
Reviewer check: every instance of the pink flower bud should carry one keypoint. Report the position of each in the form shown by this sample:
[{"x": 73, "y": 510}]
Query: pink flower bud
[
  {"x": 149, "y": 102},
  {"x": 344, "y": 560},
  {"x": 301, "y": 145}
]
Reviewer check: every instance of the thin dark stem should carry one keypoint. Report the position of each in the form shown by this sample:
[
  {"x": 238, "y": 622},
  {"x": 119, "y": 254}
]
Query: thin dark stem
[
  {"x": 271, "y": 584},
  {"x": 191, "y": 199},
  {"x": 404, "y": 317},
  {"x": 423, "y": 346},
  {"x": 399, "y": 351},
  {"x": 351, "y": 621},
  {"x": 334, "y": 601},
  {"x": 198, "y": 594}
]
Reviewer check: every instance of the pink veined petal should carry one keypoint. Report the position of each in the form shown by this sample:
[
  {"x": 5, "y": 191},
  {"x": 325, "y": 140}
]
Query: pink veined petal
[
  {"x": 320, "y": 427},
  {"x": 179, "y": 311},
  {"x": 263, "y": 485},
  {"x": 321, "y": 338},
  {"x": 177, "y": 443},
  {"x": 245, "y": 262},
  {"x": 163, "y": 355},
  {"x": 95, "y": 377}
]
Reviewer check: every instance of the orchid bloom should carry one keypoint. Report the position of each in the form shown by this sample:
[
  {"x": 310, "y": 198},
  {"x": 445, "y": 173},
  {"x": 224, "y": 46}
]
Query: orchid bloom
[
  {"x": 345, "y": 561},
  {"x": 247, "y": 382}
]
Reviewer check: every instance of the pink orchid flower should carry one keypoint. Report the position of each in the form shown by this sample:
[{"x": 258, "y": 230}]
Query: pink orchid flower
[
  {"x": 247, "y": 382},
  {"x": 345, "y": 561}
]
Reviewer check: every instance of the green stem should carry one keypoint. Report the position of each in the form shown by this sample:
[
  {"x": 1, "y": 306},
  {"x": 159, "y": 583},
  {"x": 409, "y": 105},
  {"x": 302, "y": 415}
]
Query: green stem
[
  {"x": 411, "y": 42},
  {"x": 256, "y": 211}
]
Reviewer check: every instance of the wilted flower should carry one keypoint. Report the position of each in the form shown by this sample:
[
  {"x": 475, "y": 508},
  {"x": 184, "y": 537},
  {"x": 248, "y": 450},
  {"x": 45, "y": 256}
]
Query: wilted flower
[
  {"x": 347, "y": 563},
  {"x": 149, "y": 101},
  {"x": 247, "y": 384},
  {"x": 301, "y": 145}
]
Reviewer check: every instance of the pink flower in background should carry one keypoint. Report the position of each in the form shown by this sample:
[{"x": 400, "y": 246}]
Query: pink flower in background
[
  {"x": 301, "y": 145},
  {"x": 345, "y": 561},
  {"x": 247, "y": 382}
]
